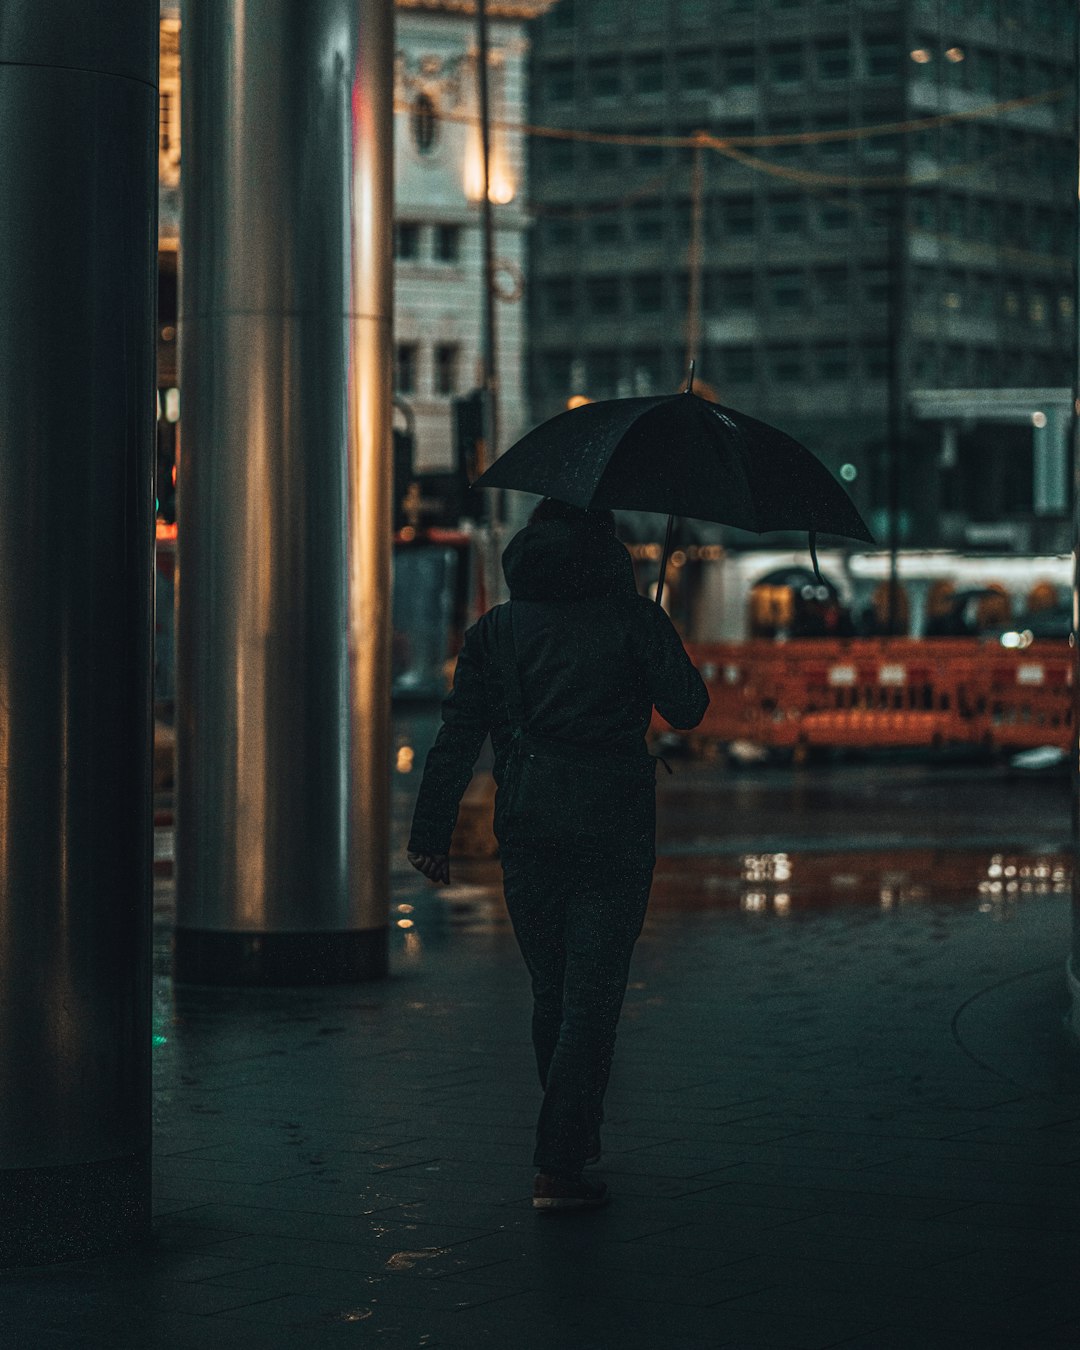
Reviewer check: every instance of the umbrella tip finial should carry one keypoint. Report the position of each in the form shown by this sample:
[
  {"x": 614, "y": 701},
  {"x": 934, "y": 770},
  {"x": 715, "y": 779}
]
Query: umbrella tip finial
[{"x": 690, "y": 379}]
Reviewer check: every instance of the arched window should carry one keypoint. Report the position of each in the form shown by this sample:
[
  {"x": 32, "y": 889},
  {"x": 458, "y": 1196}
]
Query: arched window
[{"x": 425, "y": 123}]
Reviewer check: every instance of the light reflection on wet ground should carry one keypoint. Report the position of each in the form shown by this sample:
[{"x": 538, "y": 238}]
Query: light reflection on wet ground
[{"x": 785, "y": 884}]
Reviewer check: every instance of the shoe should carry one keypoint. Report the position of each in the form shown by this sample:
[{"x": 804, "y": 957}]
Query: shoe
[{"x": 550, "y": 1192}]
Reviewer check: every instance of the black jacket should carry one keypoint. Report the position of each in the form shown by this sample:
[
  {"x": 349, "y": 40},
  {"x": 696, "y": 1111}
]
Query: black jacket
[{"x": 594, "y": 657}]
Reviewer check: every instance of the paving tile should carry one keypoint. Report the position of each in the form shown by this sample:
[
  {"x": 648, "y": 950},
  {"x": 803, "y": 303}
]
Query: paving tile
[{"x": 799, "y": 1151}]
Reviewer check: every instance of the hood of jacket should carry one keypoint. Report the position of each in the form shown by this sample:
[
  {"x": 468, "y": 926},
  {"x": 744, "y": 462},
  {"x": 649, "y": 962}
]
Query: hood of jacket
[{"x": 560, "y": 560}]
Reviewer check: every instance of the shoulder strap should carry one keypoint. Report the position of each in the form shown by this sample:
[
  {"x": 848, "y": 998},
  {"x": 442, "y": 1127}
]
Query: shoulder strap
[{"x": 515, "y": 704}]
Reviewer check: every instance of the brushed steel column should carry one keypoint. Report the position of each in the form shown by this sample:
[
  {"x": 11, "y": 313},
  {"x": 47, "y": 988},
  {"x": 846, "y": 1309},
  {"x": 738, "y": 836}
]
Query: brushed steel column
[
  {"x": 285, "y": 482},
  {"x": 78, "y": 269}
]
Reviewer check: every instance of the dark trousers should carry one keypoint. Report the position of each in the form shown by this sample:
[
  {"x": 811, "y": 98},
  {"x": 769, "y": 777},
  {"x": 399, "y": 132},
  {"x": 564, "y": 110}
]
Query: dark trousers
[{"x": 577, "y": 911}]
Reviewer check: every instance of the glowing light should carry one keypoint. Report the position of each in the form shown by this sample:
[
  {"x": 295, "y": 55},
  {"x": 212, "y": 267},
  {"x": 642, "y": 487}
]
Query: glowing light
[
  {"x": 848, "y": 472},
  {"x": 954, "y": 54},
  {"x": 920, "y": 56},
  {"x": 172, "y": 405},
  {"x": 404, "y": 923},
  {"x": 405, "y": 758},
  {"x": 405, "y": 909},
  {"x": 577, "y": 401},
  {"x": 1038, "y": 419},
  {"x": 501, "y": 184}
]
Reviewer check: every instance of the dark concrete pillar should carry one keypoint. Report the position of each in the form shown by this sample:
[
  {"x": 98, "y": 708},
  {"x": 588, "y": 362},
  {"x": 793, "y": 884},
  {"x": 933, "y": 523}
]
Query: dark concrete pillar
[
  {"x": 78, "y": 266},
  {"x": 284, "y": 507}
]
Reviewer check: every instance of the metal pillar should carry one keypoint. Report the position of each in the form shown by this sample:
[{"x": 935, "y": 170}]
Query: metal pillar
[
  {"x": 78, "y": 239},
  {"x": 285, "y": 492},
  {"x": 1072, "y": 964}
]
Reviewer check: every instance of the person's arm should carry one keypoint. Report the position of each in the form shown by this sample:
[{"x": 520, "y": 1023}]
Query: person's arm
[
  {"x": 677, "y": 690},
  {"x": 450, "y": 760}
]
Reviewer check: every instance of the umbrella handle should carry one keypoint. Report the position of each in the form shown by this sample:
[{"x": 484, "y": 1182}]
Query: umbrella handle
[{"x": 664, "y": 559}]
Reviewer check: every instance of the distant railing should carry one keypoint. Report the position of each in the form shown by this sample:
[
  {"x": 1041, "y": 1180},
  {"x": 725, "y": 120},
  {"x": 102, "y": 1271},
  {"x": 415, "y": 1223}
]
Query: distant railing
[{"x": 885, "y": 692}]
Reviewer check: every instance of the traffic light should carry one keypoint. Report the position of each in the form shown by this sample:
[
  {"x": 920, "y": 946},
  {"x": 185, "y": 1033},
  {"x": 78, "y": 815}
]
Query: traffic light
[
  {"x": 404, "y": 446},
  {"x": 165, "y": 473},
  {"x": 468, "y": 414}
]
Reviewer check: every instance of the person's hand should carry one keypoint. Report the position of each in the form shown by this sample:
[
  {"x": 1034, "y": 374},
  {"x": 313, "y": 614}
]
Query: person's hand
[{"x": 435, "y": 866}]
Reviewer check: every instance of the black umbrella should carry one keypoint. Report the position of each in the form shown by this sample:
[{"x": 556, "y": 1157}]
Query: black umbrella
[{"x": 684, "y": 456}]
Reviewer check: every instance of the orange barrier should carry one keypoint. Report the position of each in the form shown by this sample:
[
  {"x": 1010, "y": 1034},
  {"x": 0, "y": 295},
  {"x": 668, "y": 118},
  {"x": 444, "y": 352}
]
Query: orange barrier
[{"x": 884, "y": 692}]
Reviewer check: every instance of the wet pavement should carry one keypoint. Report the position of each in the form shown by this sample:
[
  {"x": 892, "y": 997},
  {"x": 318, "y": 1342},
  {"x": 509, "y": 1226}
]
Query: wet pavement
[{"x": 844, "y": 1109}]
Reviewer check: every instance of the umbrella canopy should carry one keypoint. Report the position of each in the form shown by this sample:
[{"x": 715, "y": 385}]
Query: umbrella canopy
[{"x": 683, "y": 456}]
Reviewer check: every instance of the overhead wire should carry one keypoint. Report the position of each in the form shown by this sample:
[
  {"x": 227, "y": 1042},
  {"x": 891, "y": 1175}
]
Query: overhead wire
[{"x": 754, "y": 141}]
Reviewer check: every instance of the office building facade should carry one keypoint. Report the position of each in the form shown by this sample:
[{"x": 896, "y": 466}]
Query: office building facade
[{"x": 943, "y": 246}]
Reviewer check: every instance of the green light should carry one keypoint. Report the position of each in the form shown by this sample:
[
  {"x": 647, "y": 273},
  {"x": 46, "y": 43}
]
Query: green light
[
  {"x": 848, "y": 472},
  {"x": 161, "y": 1040}
]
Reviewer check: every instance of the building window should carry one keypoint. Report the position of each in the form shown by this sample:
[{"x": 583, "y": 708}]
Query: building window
[
  {"x": 693, "y": 71},
  {"x": 737, "y": 291},
  {"x": 448, "y": 243},
  {"x": 560, "y": 233},
  {"x": 787, "y": 215},
  {"x": 647, "y": 155},
  {"x": 875, "y": 285},
  {"x": 926, "y": 213},
  {"x": 834, "y": 218},
  {"x": 739, "y": 217},
  {"x": 447, "y": 360},
  {"x": 424, "y": 121},
  {"x": 604, "y": 295},
  {"x": 876, "y": 359},
  {"x": 603, "y": 372},
  {"x": 559, "y": 293},
  {"x": 786, "y": 126},
  {"x": 787, "y": 290},
  {"x": 648, "y": 74},
  {"x": 785, "y": 364},
  {"x": 832, "y": 286},
  {"x": 648, "y": 366},
  {"x": 786, "y": 64},
  {"x": 559, "y": 81},
  {"x": 648, "y": 219},
  {"x": 648, "y": 293},
  {"x": 833, "y": 59},
  {"x": 739, "y": 364},
  {"x": 832, "y": 361},
  {"x": 691, "y": 13},
  {"x": 605, "y": 13},
  {"x": 406, "y": 360},
  {"x": 604, "y": 157},
  {"x": 882, "y": 58},
  {"x": 559, "y": 157},
  {"x": 165, "y": 121},
  {"x": 926, "y": 364},
  {"x": 556, "y": 368},
  {"x": 739, "y": 68},
  {"x": 833, "y": 150},
  {"x": 606, "y": 230},
  {"x": 407, "y": 240},
  {"x": 605, "y": 79}
]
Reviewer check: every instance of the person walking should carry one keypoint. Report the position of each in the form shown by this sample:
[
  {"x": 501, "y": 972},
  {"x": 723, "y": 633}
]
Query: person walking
[{"x": 564, "y": 677}]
